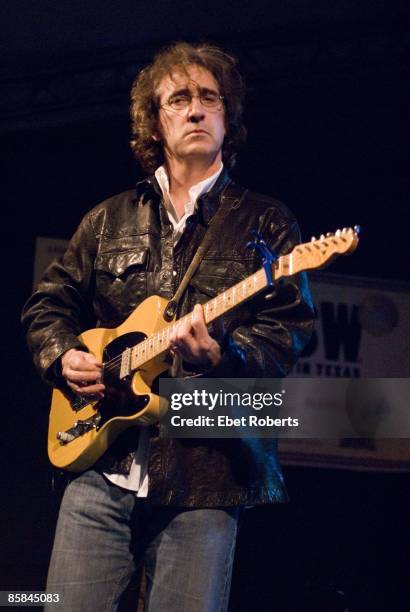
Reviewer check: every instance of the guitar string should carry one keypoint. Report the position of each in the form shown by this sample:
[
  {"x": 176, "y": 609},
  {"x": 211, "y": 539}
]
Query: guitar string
[
  {"x": 115, "y": 362},
  {"x": 112, "y": 364}
]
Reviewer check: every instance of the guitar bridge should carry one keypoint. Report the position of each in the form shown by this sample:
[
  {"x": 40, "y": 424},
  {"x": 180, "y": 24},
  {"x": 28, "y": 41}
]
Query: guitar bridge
[{"x": 79, "y": 429}]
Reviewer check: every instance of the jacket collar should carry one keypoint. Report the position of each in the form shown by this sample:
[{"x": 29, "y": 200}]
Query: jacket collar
[{"x": 146, "y": 188}]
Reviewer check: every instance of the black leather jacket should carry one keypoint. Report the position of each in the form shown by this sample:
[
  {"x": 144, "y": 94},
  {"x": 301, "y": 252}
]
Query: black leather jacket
[{"x": 122, "y": 253}]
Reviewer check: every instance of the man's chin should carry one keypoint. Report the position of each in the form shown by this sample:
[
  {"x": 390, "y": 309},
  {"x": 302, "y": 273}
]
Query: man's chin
[{"x": 200, "y": 150}]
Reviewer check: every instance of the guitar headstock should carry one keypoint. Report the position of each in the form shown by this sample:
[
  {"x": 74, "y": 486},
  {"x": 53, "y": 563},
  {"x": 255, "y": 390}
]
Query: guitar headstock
[{"x": 320, "y": 251}]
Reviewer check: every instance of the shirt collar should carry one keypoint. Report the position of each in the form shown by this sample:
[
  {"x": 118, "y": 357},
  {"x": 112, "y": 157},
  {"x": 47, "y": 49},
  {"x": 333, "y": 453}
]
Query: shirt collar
[{"x": 195, "y": 191}]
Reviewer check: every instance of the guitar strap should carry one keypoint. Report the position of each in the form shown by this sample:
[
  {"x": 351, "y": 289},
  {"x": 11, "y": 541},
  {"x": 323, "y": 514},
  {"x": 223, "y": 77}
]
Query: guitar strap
[{"x": 230, "y": 198}]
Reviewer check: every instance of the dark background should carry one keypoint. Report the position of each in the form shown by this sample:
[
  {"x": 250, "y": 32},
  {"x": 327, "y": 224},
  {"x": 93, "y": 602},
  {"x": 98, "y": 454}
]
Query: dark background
[{"x": 327, "y": 113}]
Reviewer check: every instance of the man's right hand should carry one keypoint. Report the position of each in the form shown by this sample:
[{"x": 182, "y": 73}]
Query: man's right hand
[{"x": 83, "y": 373}]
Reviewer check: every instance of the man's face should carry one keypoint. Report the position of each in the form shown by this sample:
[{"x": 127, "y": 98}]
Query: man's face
[{"x": 197, "y": 131}]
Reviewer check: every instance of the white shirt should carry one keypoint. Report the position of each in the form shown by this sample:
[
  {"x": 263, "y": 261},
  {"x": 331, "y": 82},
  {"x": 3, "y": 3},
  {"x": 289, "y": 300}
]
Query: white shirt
[
  {"x": 190, "y": 206},
  {"x": 137, "y": 479}
]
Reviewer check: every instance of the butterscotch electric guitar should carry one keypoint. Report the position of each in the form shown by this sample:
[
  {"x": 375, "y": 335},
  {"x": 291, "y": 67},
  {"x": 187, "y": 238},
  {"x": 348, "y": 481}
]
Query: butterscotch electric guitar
[{"x": 135, "y": 353}]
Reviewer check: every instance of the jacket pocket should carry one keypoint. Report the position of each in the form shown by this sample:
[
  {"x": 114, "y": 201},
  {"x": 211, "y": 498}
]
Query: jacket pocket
[
  {"x": 119, "y": 264},
  {"x": 121, "y": 280}
]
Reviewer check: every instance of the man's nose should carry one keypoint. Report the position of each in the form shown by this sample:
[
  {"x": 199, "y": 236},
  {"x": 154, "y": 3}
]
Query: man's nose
[{"x": 195, "y": 110}]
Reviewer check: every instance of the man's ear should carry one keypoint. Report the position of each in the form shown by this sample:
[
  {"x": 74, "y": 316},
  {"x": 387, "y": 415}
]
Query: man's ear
[
  {"x": 156, "y": 136},
  {"x": 156, "y": 131}
]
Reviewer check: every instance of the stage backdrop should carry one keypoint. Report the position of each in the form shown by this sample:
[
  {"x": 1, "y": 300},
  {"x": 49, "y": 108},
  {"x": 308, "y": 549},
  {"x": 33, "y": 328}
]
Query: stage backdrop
[{"x": 362, "y": 331}]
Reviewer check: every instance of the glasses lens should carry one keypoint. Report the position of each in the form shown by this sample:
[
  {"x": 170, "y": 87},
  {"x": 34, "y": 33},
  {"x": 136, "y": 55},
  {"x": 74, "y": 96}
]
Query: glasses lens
[
  {"x": 211, "y": 100},
  {"x": 179, "y": 102}
]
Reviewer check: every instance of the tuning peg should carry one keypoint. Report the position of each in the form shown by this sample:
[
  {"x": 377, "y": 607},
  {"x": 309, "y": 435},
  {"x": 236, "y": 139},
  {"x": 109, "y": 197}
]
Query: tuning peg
[
  {"x": 329, "y": 234},
  {"x": 357, "y": 229},
  {"x": 344, "y": 230},
  {"x": 322, "y": 236},
  {"x": 338, "y": 232},
  {"x": 313, "y": 239}
]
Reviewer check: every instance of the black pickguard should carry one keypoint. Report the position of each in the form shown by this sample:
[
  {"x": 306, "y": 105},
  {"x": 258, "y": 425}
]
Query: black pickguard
[{"x": 119, "y": 399}]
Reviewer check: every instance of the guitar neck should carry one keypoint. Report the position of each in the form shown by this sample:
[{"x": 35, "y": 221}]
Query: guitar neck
[{"x": 158, "y": 343}]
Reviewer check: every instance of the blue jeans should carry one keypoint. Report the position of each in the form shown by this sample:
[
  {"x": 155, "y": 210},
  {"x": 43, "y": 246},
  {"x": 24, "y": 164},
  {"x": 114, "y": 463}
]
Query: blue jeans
[{"x": 104, "y": 532}]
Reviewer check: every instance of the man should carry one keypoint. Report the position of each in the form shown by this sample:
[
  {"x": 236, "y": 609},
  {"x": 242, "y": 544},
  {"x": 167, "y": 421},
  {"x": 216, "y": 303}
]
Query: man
[{"x": 172, "y": 502}]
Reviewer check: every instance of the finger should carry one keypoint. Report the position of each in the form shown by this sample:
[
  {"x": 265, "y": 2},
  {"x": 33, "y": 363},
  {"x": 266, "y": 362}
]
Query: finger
[
  {"x": 195, "y": 350},
  {"x": 88, "y": 390},
  {"x": 82, "y": 378},
  {"x": 183, "y": 331},
  {"x": 188, "y": 348},
  {"x": 173, "y": 336},
  {"x": 80, "y": 360},
  {"x": 75, "y": 367},
  {"x": 198, "y": 323},
  {"x": 88, "y": 362},
  {"x": 79, "y": 376}
]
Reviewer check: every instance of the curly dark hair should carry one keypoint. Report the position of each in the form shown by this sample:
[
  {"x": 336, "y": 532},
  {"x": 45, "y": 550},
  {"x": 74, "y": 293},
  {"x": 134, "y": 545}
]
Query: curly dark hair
[{"x": 145, "y": 104}]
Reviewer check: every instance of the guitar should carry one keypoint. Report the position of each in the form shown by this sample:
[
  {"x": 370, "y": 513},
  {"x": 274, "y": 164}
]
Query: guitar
[{"x": 81, "y": 430}]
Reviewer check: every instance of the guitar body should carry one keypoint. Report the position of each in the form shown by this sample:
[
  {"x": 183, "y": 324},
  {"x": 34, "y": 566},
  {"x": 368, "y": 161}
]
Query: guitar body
[{"x": 127, "y": 403}]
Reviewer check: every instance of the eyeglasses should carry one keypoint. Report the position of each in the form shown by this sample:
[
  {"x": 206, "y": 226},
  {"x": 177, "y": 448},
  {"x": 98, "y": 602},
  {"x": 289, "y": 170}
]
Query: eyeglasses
[{"x": 181, "y": 101}]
